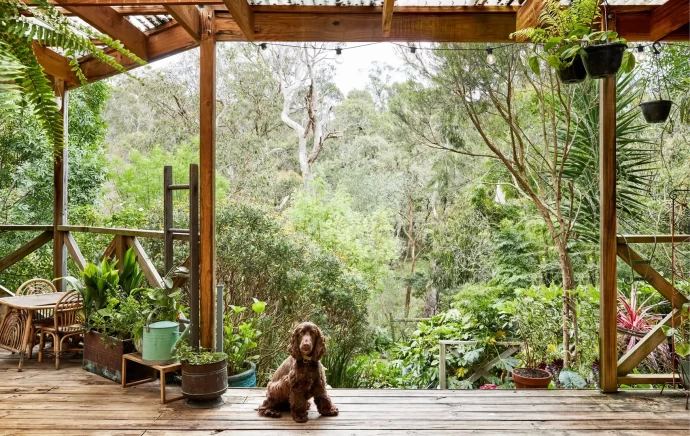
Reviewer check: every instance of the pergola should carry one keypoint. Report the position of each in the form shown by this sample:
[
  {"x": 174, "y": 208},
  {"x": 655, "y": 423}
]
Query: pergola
[{"x": 179, "y": 25}]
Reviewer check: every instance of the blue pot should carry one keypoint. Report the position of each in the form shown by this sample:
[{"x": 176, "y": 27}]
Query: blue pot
[{"x": 245, "y": 379}]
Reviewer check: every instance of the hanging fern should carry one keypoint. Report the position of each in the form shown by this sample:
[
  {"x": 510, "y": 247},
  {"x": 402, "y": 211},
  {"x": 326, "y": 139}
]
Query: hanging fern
[{"x": 21, "y": 75}]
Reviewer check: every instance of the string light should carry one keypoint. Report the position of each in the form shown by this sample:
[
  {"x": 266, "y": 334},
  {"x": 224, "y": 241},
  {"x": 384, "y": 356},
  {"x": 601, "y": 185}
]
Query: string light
[
  {"x": 263, "y": 46},
  {"x": 640, "y": 54},
  {"x": 413, "y": 49},
  {"x": 490, "y": 58},
  {"x": 339, "y": 59}
]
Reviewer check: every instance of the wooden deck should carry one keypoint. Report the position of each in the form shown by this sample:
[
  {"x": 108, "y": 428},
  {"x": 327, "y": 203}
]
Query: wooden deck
[{"x": 43, "y": 401}]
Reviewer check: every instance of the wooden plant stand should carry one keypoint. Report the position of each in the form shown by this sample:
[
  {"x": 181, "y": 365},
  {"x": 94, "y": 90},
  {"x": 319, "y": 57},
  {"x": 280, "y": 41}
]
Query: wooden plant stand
[{"x": 157, "y": 370}]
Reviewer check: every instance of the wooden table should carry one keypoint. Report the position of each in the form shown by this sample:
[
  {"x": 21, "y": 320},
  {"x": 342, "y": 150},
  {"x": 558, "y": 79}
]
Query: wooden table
[
  {"x": 16, "y": 324},
  {"x": 157, "y": 369}
]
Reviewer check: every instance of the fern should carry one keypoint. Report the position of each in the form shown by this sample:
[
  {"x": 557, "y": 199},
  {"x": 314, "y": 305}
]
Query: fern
[{"x": 21, "y": 75}]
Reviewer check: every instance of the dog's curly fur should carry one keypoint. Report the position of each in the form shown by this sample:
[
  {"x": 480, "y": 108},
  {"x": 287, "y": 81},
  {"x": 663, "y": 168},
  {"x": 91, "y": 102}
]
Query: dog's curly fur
[{"x": 300, "y": 377}]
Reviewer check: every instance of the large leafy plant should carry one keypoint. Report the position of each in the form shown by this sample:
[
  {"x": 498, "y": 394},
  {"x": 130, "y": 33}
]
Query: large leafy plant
[
  {"x": 97, "y": 283},
  {"x": 21, "y": 74},
  {"x": 239, "y": 337},
  {"x": 564, "y": 32}
]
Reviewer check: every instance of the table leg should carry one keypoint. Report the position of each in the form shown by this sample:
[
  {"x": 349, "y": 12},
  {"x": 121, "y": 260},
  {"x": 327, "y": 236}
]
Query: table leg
[
  {"x": 162, "y": 375},
  {"x": 124, "y": 371},
  {"x": 25, "y": 339}
]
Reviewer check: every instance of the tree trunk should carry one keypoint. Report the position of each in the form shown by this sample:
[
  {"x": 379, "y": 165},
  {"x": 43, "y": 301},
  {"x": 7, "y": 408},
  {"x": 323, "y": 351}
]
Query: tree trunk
[
  {"x": 569, "y": 308},
  {"x": 431, "y": 302}
]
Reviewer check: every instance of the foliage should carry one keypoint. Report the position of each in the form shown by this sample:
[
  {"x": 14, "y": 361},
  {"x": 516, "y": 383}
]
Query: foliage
[
  {"x": 240, "y": 338},
  {"x": 681, "y": 333},
  {"x": 185, "y": 353},
  {"x": 20, "y": 71},
  {"x": 535, "y": 315},
  {"x": 131, "y": 274},
  {"x": 564, "y": 32},
  {"x": 635, "y": 316},
  {"x": 258, "y": 259},
  {"x": 98, "y": 282}
]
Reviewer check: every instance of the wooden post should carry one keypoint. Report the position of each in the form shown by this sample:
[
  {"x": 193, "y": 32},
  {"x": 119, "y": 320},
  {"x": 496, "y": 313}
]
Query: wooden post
[
  {"x": 167, "y": 218},
  {"x": 60, "y": 192},
  {"x": 608, "y": 347},
  {"x": 194, "y": 253},
  {"x": 207, "y": 188}
]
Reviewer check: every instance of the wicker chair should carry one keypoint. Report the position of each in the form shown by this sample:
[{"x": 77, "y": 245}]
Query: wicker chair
[
  {"x": 41, "y": 317},
  {"x": 67, "y": 324}
]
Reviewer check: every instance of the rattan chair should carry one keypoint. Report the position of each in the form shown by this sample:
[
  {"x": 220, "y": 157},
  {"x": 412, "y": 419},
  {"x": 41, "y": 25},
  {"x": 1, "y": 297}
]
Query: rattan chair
[
  {"x": 67, "y": 324},
  {"x": 41, "y": 317}
]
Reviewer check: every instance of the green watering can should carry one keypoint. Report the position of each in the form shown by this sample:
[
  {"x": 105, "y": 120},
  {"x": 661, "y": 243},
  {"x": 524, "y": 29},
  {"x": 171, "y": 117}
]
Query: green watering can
[{"x": 159, "y": 342}]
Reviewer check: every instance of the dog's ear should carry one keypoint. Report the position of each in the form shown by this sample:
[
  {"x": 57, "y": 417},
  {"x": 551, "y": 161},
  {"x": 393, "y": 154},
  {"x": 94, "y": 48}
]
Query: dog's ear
[
  {"x": 319, "y": 345},
  {"x": 293, "y": 348}
]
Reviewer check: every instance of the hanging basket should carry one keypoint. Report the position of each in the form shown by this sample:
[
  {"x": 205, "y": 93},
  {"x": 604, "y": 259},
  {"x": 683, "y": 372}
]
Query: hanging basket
[
  {"x": 604, "y": 60},
  {"x": 575, "y": 73},
  {"x": 656, "y": 111}
]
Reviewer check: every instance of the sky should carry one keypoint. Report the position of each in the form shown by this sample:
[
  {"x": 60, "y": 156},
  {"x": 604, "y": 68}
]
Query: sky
[{"x": 353, "y": 72}]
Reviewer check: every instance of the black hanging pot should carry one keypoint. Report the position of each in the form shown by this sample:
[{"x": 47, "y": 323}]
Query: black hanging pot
[
  {"x": 604, "y": 60},
  {"x": 575, "y": 73},
  {"x": 656, "y": 111}
]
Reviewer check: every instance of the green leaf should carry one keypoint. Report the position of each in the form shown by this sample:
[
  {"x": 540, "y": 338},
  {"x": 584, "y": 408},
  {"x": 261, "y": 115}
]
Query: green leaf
[
  {"x": 259, "y": 306},
  {"x": 571, "y": 379},
  {"x": 534, "y": 64},
  {"x": 683, "y": 349}
]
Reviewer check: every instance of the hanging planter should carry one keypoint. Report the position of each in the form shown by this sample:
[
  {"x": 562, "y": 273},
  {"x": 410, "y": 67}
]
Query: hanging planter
[
  {"x": 656, "y": 111},
  {"x": 604, "y": 60},
  {"x": 575, "y": 73}
]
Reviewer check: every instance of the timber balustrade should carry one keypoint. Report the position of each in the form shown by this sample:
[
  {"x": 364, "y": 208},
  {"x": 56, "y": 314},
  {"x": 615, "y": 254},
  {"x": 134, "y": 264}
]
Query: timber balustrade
[
  {"x": 123, "y": 239},
  {"x": 629, "y": 361}
]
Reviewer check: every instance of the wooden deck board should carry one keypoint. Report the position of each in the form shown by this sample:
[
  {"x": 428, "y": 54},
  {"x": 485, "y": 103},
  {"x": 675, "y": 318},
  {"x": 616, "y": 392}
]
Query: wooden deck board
[{"x": 74, "y": 402}]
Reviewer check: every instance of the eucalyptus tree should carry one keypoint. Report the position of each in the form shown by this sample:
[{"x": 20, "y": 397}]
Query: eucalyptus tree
[
  {"x": 539, "y": 131},
  {"x": 304, "y": 72}
]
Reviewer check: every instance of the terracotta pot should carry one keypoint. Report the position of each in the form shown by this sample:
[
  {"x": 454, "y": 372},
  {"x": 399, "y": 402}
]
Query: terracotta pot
[{"x": 525, "y": 382}]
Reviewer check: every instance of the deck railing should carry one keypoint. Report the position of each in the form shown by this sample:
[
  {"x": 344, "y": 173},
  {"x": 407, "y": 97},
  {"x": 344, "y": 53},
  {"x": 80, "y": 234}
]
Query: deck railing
[{"x": 123, "y": 239}]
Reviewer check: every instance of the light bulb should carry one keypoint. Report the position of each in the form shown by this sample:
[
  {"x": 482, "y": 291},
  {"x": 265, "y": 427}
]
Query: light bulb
[
  {"x": 263, "y": 46},
  {"x": 339, "y": 59},
  {"x": 640, "y": 54},
  {"x": 490, "y": 58}
]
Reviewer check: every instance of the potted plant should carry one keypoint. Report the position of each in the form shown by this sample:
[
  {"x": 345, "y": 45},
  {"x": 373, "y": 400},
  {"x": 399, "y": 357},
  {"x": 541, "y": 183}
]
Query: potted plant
[
  {"x": 570, "y": 44},
  {"x": 204, "y": 373},
  {"x": 239, "y": 338},
  {"x": 657, "y": 110},
  {"x": 104, "y": 341}
]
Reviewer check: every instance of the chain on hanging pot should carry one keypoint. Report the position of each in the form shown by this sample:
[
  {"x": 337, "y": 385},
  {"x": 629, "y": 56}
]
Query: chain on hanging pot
[{"x": 656, "y": 111}]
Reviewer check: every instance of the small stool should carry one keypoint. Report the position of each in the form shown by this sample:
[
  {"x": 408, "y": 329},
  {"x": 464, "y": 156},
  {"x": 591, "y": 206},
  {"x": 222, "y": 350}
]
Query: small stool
[{"x": 157, "y": 370}]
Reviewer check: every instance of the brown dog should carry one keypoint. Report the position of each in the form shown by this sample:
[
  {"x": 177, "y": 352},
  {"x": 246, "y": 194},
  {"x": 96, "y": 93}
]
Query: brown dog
[{"x": 300, "y": 377}]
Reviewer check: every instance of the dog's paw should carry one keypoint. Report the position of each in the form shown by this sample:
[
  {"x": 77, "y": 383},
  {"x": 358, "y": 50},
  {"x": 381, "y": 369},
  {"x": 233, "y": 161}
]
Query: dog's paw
[
  {"x": 333, "y": 411},
  {"x": 301, "y": 418},
  {"x": 271, "y": 413}
]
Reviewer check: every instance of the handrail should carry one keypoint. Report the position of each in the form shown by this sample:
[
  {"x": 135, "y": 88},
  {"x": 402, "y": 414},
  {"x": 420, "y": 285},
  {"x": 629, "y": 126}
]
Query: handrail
[
  {"x": 26, "y": 228},
  {"x": 652, "y": 239},
  {"x": 442, "y": 357}
]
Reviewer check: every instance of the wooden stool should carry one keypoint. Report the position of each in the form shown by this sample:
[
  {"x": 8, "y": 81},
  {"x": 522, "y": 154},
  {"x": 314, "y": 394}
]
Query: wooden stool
[{"x": 157, "y": 370}]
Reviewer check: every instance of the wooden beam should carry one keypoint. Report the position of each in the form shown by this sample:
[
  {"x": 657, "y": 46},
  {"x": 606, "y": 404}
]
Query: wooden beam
[
  {"x": 109, "y": 250},
  {"x": 26, "y": 228},
  {"x": 669, "y": 17},
  {"x": 629, "y": 361},
  {"x": 121, "y": 244},
  {"x": 26, "y": 249},
  {"x": 74, "y": 251},
  {"x": 188, "y": 17},
  {"x": 106, "y": 20},
  {"x": 243, "y": 16},
  {"x": 207, "y": 185},
  {"x": 608, "y": 345},
  {"x": 157, "y": 234},
  {"x": 145, "y": 263},
  {"x": 161, "y": 44},
  {"x": 387, "y": 17},
  {"x": 343, "y": 27},
  {"x": 528, "y": 15},
  {"x": 56, "y": 65},
  {"x": 637, "y": 27},
  {"x": 652, "y": 239},
  {"x": 60, "y": 191},
  {"x": 648, "y": 379},
  {"x": 652, "y": 276}
]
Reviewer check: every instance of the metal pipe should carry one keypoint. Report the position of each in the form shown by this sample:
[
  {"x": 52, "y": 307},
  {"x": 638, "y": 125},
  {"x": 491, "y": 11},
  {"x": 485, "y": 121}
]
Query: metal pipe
[{"x": 219, "y": 317}]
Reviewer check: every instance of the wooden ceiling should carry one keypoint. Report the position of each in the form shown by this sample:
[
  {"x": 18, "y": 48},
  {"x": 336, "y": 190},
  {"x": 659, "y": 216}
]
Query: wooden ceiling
[{"x": 179, "y": 23}]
